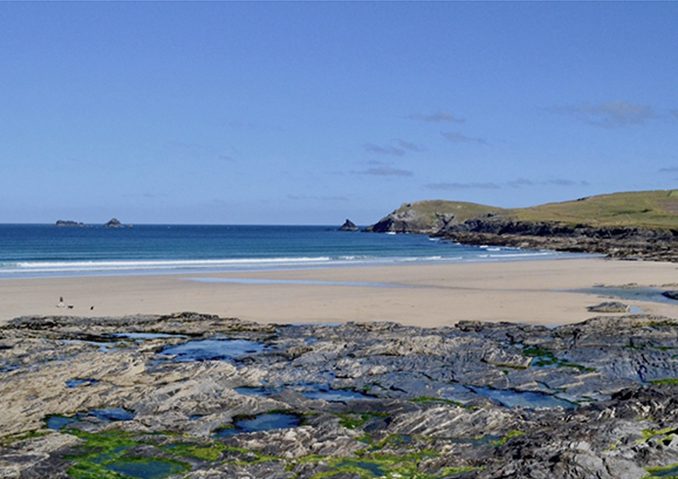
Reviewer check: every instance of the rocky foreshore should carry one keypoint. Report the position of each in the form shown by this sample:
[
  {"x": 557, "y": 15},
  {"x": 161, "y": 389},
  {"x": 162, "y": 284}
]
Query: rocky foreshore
[{"x": 199, "y": 396}]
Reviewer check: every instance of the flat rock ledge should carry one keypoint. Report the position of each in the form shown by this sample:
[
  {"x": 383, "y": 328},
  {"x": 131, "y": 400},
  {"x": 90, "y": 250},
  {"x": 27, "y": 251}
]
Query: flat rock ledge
[
  {"x": 477, "y": 400},
  {"x": 610, "y": 307}
]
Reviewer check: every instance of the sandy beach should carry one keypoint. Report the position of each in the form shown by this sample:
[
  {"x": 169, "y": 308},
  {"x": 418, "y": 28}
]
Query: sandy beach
[{"x": 537, "y": 292}]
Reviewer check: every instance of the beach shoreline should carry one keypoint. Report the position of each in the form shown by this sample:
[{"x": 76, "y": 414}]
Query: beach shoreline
[{"x": 429, "y": 295}]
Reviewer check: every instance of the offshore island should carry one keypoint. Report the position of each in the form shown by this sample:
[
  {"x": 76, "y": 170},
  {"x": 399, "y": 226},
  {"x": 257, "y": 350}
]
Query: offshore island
[{"x": 561, "y": 368}]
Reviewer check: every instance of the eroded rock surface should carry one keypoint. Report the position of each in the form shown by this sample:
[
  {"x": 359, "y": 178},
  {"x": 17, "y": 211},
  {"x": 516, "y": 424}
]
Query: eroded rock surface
[
  {"x": 610, "y": 307},
  {"x": 200, "y": 396}
]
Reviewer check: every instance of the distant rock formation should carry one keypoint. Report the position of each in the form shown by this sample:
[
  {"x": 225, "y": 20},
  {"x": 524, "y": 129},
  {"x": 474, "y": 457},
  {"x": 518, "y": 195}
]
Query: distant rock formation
[
  {"x": 348, "y": 226},
  {"x": 114, "y": 223},
  {"x": 69, "y": 224}
]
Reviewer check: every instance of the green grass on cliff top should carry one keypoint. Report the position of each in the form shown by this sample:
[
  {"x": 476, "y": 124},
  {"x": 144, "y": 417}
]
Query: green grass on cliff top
[{"x": 649, "y": 209}]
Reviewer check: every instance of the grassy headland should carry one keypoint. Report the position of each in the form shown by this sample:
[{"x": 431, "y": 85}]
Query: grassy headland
[
  {"x": 639, "y": 225},
  {"x": 637, "y": 209}
]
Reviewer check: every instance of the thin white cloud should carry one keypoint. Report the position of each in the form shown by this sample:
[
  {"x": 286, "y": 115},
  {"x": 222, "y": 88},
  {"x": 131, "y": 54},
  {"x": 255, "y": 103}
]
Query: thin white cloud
[
  {"x": 445, "y": 186},
  {"x": 456, "y": 137},
  {"x": 383, "y": 149},
  {"x": 384, "y": 170},
  {"x": 316, "y": 198},
  {"x": 611, "y": 114},
  {"x": 436, "y": 117},
  {"x": 399, "y": 147},
  {"x": 517, "y": 183}
]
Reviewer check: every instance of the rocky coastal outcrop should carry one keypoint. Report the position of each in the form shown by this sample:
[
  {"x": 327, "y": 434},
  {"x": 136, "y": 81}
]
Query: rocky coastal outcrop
[
  {"x": 411, "y": 220},
  {"x": 199, "y": 396},
  {"x": 348, "y": 226},
  {"x": 638, "y": 225},
  {"x": 69, "y": 224},
  {"x": 113, "y": 223},
  {"x": 615, "y": 242}
]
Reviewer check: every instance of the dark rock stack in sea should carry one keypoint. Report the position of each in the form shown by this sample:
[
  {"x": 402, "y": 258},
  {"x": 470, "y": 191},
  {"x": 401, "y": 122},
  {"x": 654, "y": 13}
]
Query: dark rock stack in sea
[
  {"x": 69, "y": 224},
  {"x": 348, "y": 226},
  {"x": 114, "y": 223}
]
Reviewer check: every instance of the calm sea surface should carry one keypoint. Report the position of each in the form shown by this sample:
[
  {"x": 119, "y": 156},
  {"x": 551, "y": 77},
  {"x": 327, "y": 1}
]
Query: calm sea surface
[{"x": 47, "y": 250}]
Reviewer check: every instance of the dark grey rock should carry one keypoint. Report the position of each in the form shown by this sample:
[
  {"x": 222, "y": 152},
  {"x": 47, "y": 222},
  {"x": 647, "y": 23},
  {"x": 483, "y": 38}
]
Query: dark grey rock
[
  {"x": 348, "y": 226},
  {"x": 615, "y": 242},
  {"x": 69, "y": 224},
  {"x": 421, "y": 414},
  {"x": 672, "y": 294},
  {"x": 113, "y": 223},
  {"x": 610, "y": 307}
]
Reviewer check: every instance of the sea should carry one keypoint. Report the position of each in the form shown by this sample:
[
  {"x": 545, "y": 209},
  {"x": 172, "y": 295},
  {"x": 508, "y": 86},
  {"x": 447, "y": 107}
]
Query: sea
[{"x": 32, "y": 250}]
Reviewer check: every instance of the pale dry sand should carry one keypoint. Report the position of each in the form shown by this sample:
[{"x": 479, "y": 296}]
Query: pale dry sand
[{"x": 426, "y": 295}]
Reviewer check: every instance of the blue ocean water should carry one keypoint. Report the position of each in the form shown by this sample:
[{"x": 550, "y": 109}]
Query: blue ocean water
[{"x": 47, "y": 250}]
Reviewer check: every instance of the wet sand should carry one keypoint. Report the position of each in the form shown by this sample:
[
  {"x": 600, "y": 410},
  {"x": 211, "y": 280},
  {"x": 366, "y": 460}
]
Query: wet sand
[{"x": 423, "y": 294}]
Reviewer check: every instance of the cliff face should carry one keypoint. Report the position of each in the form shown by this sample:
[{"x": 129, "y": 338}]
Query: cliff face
[
  {"x": 409, "y": 221},
  {"x": 638, "y": 225},
  {"x": 429, "y": 217},
  {"x": 615, "y": 242}
]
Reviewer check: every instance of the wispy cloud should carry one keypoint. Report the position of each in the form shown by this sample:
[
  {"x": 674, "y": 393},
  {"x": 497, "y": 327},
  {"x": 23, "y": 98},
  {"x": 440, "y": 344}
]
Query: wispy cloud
[
  {"x": 444, "y": 186},
  {"x": 456, "y": 137},
  {"x": 316, "y": 198},
  {"x": 517, "y": 183},
  {"x": 520, "y": 182},
  {"x": 383, "y": 149},
  {"x": 565, "y": 182},
  {"x": 436, "y": 117},
  {"x": 611, "y": 114},
  {"x": 668, "y": 169},
  {"x": 409, "y": 146},
  {"x": 383, "y": 170},
  {"x": 147, "y": 195},
  {"x": 398, "y": 147}
]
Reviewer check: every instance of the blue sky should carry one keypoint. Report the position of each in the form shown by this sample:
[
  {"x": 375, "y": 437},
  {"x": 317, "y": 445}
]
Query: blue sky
[{"x": 310, "y": 113}]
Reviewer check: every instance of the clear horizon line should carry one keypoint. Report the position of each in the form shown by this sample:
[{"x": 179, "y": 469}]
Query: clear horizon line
[{"x": 124, "y": 225}]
